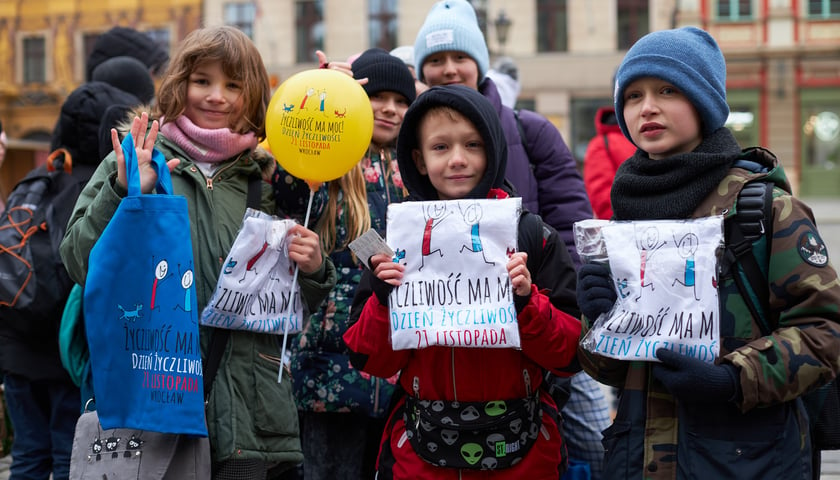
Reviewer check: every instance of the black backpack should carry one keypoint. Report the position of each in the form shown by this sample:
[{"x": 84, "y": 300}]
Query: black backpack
[
  {"x": 750, "y": 232},
  {"x": 34, "y": 285}
]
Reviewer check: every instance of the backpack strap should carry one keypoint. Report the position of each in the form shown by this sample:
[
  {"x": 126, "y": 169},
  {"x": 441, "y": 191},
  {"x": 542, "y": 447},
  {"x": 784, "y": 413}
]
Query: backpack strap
[
  {"x": 220, "y": 336},
  {"x": 752, "y": 221},
  {"x": 523, "y": 138}
]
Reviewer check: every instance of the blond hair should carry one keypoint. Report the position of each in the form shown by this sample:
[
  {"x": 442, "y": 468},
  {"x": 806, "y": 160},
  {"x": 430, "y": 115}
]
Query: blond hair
[
  {"x": 356, "y": 211},
  {"x": 240, "y": 60}
]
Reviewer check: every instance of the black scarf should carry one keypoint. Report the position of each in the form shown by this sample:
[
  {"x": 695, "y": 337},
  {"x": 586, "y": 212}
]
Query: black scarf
[{"x": 673, "y": 187}]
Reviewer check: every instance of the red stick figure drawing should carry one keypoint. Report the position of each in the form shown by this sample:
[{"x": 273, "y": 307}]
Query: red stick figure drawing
[
  {"x": 648, "y": 244},
  {"x": 309, "y": 93},
  {"x": 434, "y": 214},
  {"x": 252, "y": 262},
  {"x": 161, "y": 270}
]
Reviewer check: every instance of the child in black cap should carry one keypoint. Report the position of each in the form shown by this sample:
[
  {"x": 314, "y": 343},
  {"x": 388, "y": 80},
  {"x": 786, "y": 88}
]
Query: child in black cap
[{"x": 452, "y": 146}]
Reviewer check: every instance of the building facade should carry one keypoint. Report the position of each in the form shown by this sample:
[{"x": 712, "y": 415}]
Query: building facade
[
  {"x": 43, "y": 48},
  {"x": 783, "y": 57}
]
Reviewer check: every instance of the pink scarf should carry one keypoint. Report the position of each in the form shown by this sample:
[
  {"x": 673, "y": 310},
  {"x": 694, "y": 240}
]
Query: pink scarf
[{"x": 207, "y": 145}]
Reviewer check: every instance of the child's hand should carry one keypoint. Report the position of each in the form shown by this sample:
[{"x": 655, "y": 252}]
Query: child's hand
[
  {"x": 305, "y": 249},
  {"x": 386, "y": 269},
  {"x": 520, "y": 277},
  {"x": 144, "y": 149},
  {"x": 342, "y": 67}
]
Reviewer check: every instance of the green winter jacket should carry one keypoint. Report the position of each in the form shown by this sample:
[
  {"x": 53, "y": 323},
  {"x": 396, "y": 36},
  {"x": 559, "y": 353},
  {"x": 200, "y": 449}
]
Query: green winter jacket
[
  {"x": 249, "y": 415},
  {"x": 764, "y": 434}
]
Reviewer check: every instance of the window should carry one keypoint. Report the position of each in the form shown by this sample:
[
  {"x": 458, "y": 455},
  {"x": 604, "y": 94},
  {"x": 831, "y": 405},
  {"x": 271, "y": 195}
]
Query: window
[
  {"x": 34, "y": 60},
  {"x": 632, "y": 22},
  {"x": 309, "y": 29},
  {"x": 823, "y": 8},
  {"x": 552, "y": 30},
  {"x": 382, "y": 16},
  {"x": 820, "y": 117},
  {"x": 241, "y": 16},
  {"x": 734, "y": 10},
  {"x": 743, "y": 116},
  {"x": 88, "y": 41}
]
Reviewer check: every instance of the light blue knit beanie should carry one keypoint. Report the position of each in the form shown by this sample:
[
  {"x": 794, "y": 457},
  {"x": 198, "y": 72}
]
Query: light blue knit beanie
[
  {"x": 688, "y": 58},
  {"x": 451, "y": 25}
]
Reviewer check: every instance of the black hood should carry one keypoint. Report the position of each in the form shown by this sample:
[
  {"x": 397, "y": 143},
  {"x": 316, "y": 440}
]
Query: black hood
[
  {"x": 480, "y": 112},
  {"x": 82, "y": 112}
]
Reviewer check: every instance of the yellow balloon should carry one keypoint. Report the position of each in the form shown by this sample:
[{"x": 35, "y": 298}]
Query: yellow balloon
[{"x": 319, "y": 124}]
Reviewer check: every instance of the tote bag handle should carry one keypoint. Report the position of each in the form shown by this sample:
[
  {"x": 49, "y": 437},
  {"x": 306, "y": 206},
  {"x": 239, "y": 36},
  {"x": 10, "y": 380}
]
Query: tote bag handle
[{"x": 132, "y": 172}]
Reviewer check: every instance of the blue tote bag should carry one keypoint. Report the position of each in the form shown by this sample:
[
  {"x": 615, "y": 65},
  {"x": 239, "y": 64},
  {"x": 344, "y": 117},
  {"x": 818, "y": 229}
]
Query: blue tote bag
[{"x": 140, "y": 312}]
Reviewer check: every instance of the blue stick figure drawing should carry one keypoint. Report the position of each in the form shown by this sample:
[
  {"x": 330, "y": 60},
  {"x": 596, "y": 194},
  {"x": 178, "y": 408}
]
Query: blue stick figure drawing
[
  {"x": 472, "y": 216},
  {"x": 687, "y": 247},
  {"x": 186, "y": 283}
]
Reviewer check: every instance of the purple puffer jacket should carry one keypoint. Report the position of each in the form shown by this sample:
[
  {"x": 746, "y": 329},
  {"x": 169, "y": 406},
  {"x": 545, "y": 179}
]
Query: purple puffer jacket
[{"x": 549, "y": 183}]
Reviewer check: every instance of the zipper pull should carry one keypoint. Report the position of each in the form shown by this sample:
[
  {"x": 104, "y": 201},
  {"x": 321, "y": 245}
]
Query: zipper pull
[
  {"x": 209, "y": 183},
  {"x": 415, "y": 385},
  {"x": 527, "y": 378}
]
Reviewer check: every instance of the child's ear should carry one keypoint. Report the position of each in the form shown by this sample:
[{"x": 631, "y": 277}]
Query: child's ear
[{"x": 417, "y": 156}]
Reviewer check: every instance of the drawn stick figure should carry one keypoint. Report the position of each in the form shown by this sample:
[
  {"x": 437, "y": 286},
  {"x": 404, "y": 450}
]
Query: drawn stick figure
[
  {"x": 434, "y": 215},
  {"x": 687, "y": 247},
  {"x": 309, "y": 93},
  {"x": 472, "y": 216},
  {"x": 186, "y": 283},
  {"x": 161, "y": 271},
  {"x": 251, "y": 265},
  {"x": 648, "y": 244}
]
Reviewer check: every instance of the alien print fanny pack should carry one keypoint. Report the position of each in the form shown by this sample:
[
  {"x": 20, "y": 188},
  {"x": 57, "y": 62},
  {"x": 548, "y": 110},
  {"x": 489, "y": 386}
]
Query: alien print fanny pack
[{"x": 473, "y": 435}]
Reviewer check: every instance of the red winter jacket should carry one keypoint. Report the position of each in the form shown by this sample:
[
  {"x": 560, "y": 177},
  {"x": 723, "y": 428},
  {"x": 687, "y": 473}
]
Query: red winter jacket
[
  {"x": 549, "y": 339},
  {"x": 607, "y": 149}
]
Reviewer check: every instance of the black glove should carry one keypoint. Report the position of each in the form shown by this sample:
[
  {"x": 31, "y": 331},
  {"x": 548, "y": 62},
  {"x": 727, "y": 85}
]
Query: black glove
[
  {"x": 694, "y": 380},
  {"x": 381, "y": 289},
  {"x": 595, "y": 291}
]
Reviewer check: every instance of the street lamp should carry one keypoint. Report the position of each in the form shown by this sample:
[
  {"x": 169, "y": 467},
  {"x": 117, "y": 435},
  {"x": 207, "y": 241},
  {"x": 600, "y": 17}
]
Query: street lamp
[{"x": 502, "y": 24}]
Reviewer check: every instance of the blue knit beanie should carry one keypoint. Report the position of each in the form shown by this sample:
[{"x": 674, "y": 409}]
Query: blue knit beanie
[
  {"x": 451, "y": 25},
  {"x": 688, "y": 58}
]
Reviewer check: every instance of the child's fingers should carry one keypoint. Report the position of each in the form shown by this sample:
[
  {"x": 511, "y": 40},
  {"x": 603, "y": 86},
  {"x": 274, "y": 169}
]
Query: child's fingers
[
  {"x": 149, "y": 144},
  {"x": 115, "y": 144}
]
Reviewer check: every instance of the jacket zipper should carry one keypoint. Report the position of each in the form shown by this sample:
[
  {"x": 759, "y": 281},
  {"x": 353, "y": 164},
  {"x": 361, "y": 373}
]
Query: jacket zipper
[
  {"x": 454, "y": 386},
  {"x": 527, "y": 377},
  {"x": 376, "y": 395},
  {"x": 218, "y": 172}
]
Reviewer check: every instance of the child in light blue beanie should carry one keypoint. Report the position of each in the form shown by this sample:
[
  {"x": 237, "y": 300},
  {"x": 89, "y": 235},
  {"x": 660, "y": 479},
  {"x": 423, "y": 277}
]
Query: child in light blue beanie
[
  {"x": 451, "y": 25},
  {"x": 739, "y": 414}
]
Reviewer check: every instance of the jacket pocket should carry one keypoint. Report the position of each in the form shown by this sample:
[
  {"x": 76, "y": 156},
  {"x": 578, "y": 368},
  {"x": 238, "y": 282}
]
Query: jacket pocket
[
  {"x": 721, "y": 442},
  {"x": 274, "y": 407},
  {"x": 620, "y": 448}
]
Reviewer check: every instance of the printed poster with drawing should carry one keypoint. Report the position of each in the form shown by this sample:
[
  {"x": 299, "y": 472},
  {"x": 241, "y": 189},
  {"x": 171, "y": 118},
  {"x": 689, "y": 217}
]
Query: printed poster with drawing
[
  {"x": 665, "y": 273},
  {"x": 456, "y": 290},
  {"x": 254, "y": 290}
]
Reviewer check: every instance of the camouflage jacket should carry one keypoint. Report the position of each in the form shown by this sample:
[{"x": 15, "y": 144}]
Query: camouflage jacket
[{"x": 764, "y": 435}]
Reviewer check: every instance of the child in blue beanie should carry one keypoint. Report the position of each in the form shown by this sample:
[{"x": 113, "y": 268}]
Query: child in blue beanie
[{"x": 739, "y": 417}]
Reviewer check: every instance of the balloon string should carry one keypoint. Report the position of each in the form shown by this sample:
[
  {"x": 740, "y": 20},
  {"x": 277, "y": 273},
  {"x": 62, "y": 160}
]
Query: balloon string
[{"x": 292, "y": 303}]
